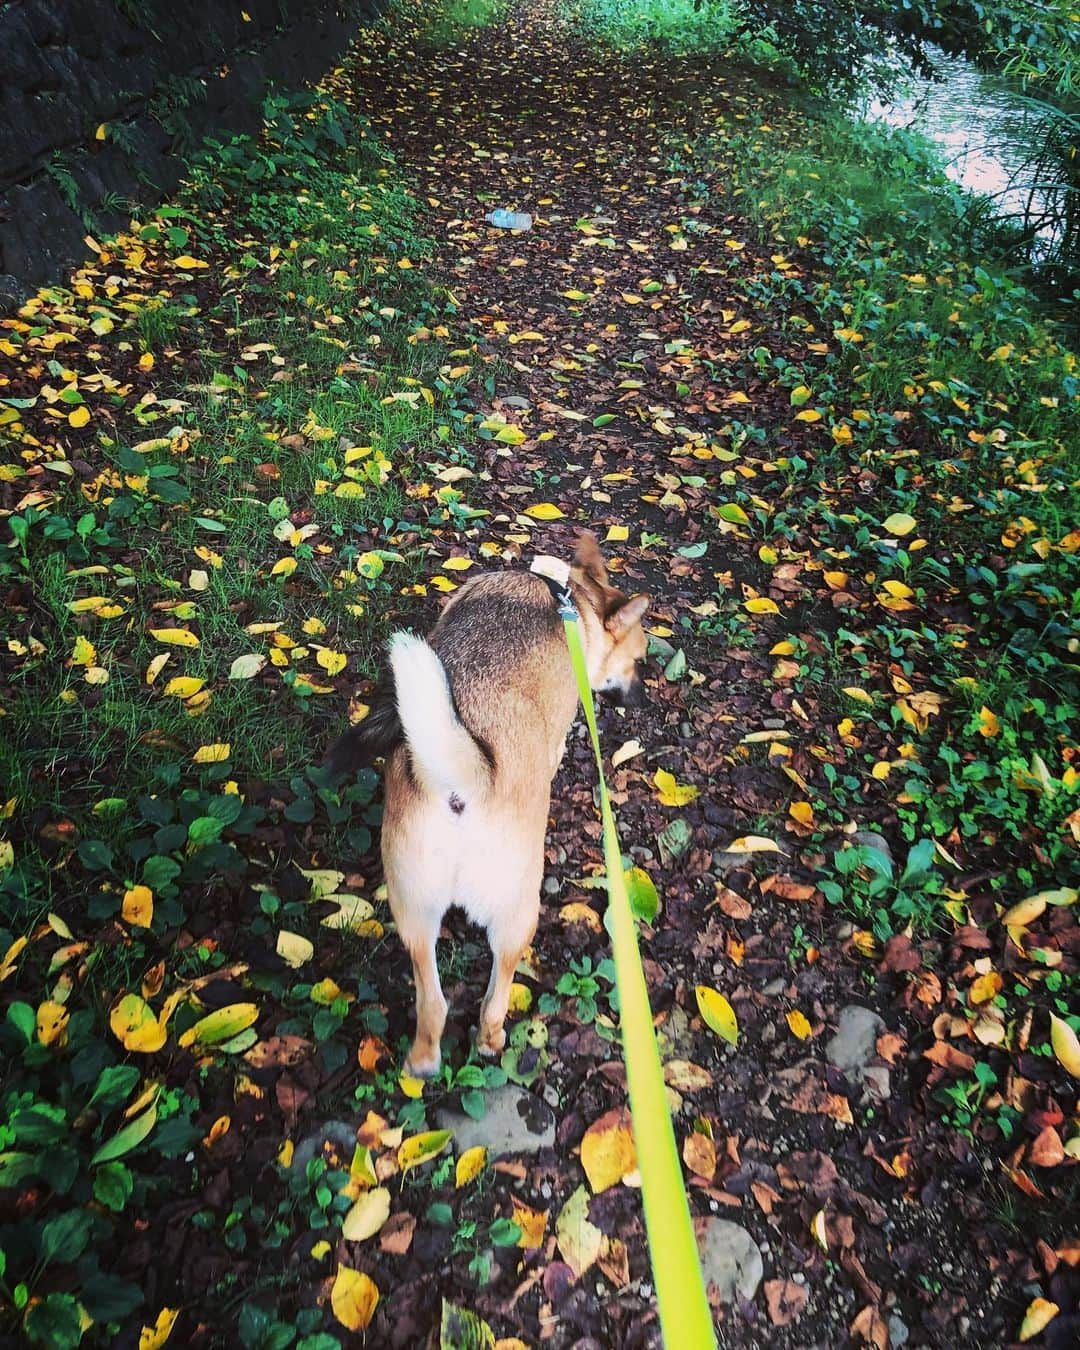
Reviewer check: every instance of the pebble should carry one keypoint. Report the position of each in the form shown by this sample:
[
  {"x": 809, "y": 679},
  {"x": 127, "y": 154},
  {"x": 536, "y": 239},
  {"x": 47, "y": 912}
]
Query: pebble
[
  {"x": 898, "y": 1333},
  {"x": 730, "y": 1260},
  {"x": 515, "y": 1121},
  {"x": 855, "y": 1042}
]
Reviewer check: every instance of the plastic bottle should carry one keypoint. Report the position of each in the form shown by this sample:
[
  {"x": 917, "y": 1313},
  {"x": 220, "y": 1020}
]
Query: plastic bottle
[{"x": 509, "y": 220}]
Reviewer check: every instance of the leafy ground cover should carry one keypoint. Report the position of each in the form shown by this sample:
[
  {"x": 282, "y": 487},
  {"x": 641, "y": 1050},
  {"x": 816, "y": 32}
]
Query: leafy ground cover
[{"x": 759, "y": 354}]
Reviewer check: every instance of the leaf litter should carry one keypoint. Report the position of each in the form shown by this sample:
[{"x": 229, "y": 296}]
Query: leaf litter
[{"x": 599, "y": 372}]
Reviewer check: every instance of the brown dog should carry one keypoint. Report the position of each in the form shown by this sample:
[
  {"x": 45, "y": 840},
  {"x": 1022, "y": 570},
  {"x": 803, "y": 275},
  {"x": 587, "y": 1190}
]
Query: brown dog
[{"x": 473, "y": 737}]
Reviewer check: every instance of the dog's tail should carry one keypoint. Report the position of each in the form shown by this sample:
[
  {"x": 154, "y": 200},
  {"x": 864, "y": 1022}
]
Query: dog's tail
[{"x": 447, "y": 759}]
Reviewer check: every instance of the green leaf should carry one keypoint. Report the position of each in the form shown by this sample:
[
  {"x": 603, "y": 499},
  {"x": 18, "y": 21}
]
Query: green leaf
[
  {"x": 644, "y": 900},
  {"x": 113, "y": 1086},
  {"x": 462, "y": 1329},
  {"x": 113, "y": 1185},
  {"x": 603, "y": 419},
  {"x": 733, "y": 513},
  {"x": 676, "y": 667},
  {"x": 131, "y": 1136},
  {"x": 95, "y": 855},
  {"x": 15, "y": 1167},
  {"x": 55, "y": 1322},
  {"x": 65, "y": 1236},
  {"x": 23, "y": 1017}
]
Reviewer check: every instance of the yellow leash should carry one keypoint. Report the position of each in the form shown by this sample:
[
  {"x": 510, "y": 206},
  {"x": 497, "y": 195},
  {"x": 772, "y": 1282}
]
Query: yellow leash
[{"x": 685, "y": 1317}]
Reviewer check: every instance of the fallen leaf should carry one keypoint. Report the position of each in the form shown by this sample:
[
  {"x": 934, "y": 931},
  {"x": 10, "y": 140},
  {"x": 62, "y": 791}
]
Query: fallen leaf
[
  {"x": 354, "y": 1298},
  {"x": 717, "y": 1013},
  {"x": 367, "y": 1215},
  {"x": 607, "y": 1149}
]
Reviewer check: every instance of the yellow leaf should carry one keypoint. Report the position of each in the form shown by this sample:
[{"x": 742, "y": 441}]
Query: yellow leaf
[
  {"x": 410, "y": 1086},
  {"x": 768, "y": 555},
  {"x": 753, "y": 843},
  {"x": 671, "y": 793},
  {"x": 221, "y": 1025},
  {"x": 521, "y": 999},
  {"x": 134, "y": 1025},
  {"x": 808, "y": 415},
  {"x": 146, "y": 361},
  {"x": 154, "y": 1337},
  {"x": 817, "y": 1230},
  {"x": 458, "y": 564},
  {"x": 762, "y": 605},
  {"x": 718, "y": 1013},
  {"x": 284, "y": 567},
  {"x": 532, "y": 1222},
  {"x": 51, "y": 1022},
  {"x": 1024, "y": 912},
  {"x": 354, "y": 1298},
  {"x": 367, "y": 1215},
  {"x": 579, "y": 1240},
  {"x": 803, "y": 812},
  {"x": 1066, "y": 1045},
  {"x": 989, "y": 726},
  {"x": 607, "y": 1150},
  {"x": 617, "y": 534},
  {"x": 138, "y": 907},
  {"x": 881, "y": 770},
  {"x": 83, "y": 653},
  {"x": 332, "y": 662},
  {"x": 471, "y": 1163},
  {"x": 174, "y": 637},
  {"x": 859, "y": 695},
  {"x": 799, "y": 1024},
  {"x": 187, "y": 263},
  {"x": 984, "y": 988},
  {"x": 293, "y": 949},
  {"x": 421, "y": 1148},
  {"x": 900, "y": 523},
  {"x": 78, "y": 417},
  {"x": 154, "y": 669},
  {"x": 183, "y": 686},
  {"x": 216, "y": 753},
  {"x": 544, "y": 511},
  {"x": 1041, "y": 1312}
]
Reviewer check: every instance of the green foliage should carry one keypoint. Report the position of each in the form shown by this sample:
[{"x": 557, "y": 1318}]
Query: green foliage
[{"x": 682, "y": 26}]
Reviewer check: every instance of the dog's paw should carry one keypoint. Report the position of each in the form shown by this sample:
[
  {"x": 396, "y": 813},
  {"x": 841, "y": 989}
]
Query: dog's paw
[
  {"x": 422, "y": 1066},
  {"x": 491, "y": 1043}
]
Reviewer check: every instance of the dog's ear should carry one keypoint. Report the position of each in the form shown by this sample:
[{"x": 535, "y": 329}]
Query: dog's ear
[
  {"x": 589, "y": 558},
  {"x": 622, "y": 618}
]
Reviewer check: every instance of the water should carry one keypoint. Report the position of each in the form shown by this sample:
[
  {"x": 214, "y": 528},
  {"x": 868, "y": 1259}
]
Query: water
[{"x": 987, "y": 131}]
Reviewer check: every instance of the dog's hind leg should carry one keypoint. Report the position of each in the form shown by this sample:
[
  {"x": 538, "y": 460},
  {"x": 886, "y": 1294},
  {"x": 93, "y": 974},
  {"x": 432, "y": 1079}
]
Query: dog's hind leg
[
  {"x": 419, "y": 933},
  {"x": 509, "y": 935}
]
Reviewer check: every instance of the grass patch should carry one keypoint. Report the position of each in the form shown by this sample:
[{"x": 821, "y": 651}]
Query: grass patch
[{"x": 211, "y": 448}]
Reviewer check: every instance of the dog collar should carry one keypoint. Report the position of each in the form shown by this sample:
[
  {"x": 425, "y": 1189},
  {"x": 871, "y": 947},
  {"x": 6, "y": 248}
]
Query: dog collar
[{"x": 556, "y": 575}]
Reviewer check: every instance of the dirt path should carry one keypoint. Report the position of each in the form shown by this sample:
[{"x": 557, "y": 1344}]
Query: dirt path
[{"x": 611, "y": 327}]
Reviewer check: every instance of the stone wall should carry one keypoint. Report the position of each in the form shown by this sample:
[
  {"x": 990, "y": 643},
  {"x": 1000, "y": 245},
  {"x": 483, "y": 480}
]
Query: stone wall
[{"x": 100, "y": 100}]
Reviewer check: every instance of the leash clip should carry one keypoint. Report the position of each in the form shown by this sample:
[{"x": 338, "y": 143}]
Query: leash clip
[{"x": 557, "y": 575}]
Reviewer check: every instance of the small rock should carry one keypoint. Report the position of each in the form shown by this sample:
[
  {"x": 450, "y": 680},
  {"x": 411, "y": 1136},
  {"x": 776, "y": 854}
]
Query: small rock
[
  {"x": 876, "y": 1078},
  {"x": 552, "y": 886},
  {"x": 730, "y": 1260},
  {"x": 898, "y": 1333},
  {"x": 855, "y": 1042},
  {"x": 871, "y": 839},
  {"x": 514, "y": 1122},
  {"x": 339, "y": 1134}
]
